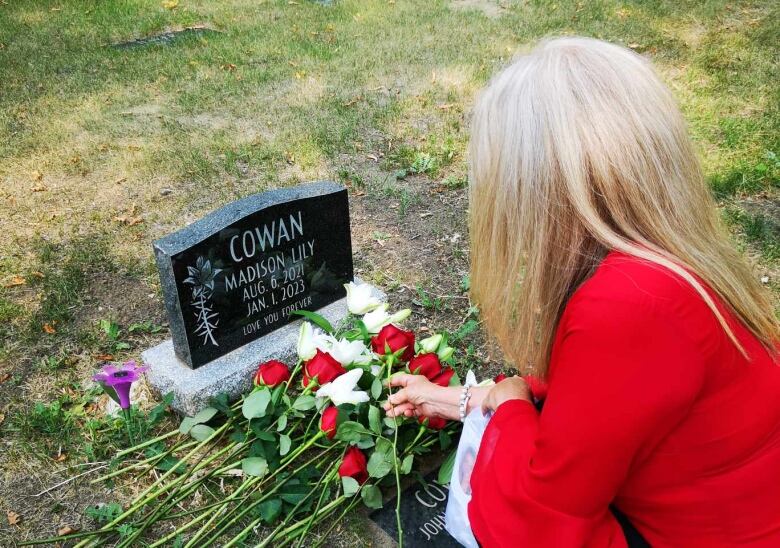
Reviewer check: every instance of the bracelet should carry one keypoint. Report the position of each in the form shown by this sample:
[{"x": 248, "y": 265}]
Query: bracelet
[{"x": 465, "y": 395}]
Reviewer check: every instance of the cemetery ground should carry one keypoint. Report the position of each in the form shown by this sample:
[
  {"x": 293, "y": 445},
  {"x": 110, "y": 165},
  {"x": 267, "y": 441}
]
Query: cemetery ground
[{"x": 108, "y": 142}]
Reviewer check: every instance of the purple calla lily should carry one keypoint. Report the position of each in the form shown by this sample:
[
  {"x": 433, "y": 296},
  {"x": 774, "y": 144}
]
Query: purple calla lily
[{"x": 119, "y": 379}]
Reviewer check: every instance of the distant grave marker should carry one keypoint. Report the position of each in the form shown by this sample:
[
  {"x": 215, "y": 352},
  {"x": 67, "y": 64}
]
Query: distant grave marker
[{"x": 164, "y": 38}]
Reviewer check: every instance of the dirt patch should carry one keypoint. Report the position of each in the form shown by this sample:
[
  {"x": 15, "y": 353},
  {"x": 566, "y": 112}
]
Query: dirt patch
[{"x": 121, "y": 298}]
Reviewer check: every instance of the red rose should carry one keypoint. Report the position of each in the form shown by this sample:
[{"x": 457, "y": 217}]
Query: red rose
[
  {"x": 537, "y": 386},
  {"x": 443, "y": 378},
  {"x": 323, "y": 366},
  {"x": 395, "y": 339},
  {"x": 328, "y": 421},
  {"x": 425, "y": 364},
  {"x": 434, "y": 423},
  {"x": 272, "y": 373},
  {"x": 354, "y": 465},
  {"x": 498, "y": 378}
]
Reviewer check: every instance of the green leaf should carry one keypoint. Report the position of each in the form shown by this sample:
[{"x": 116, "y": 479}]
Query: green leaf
[
  {"x": 284, "y": 444},
  {"x": 390, "y": 422},
  {"x": 256, "y": 403},
  {"x": 270, "y": 510},
  {"x": 455, "y": 380},
  {"x": 365, "y": 442},
  {"x": 380, "y": 463},
  {"x": 350, "y": 486},
  {"x": 294, "y": 492},
  {"x": 406, "y": 465},
  {"x": 254, "y": 466},
  {"x": 445, "y": 472},
  {"x": 376, "y": 388},
  {"x": 170, "y": 462},
  {"x": 315, "y": 319},
  {"x": 351, "y": 431},
  {"x": 205, "y": 415},
  {"x": 222, "y": 403},
  {"x": 201, "y": 432},
  {"x": 304, "y": 403},
  {"x": 363, "y": 330},
  {"x": 265, "y": 436},
  {"x": 237, "y": 436},
  {"x": 372, "y": 496},
  {"x": 375, "y": 419},
  {"x": 282, "y": 423},
  {"x": 445, "y": 440},
  {"x": 186, "y": 425}
]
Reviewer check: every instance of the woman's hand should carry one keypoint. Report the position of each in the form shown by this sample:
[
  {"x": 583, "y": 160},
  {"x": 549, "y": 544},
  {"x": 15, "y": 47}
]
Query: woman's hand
[
  {"x": 511, "y": 388},
  {"x": 419, "y": 397}
]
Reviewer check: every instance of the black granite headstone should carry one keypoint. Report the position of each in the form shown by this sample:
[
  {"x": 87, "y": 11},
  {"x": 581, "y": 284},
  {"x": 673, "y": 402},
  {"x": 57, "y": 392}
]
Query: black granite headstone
[
  {"x": 422, "y": 515},
  {"x": 239, "y": 272}
]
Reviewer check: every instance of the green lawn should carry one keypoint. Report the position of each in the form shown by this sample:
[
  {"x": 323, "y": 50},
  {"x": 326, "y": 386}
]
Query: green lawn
[{"x": 103, "y": 149}]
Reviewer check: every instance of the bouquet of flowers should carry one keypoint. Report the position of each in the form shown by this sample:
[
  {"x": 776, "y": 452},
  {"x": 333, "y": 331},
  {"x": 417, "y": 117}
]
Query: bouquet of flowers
[{"x": 309, "y": 443}]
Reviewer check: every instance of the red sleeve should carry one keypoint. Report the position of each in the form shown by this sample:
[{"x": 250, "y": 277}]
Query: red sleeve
[{"x": 623, "y": 375}]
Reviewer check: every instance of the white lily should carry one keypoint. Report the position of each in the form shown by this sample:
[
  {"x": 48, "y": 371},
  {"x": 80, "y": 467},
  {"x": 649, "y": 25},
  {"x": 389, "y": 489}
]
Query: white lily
[
  {"x": 359, "y": 298},
  {"x": 377, "y": 319},
  {"x": 348, "y": 352},
  {"x": 375, "y": 369},
  {"x": 342, "y": 389},
  {"x": 310, "y": 340}
]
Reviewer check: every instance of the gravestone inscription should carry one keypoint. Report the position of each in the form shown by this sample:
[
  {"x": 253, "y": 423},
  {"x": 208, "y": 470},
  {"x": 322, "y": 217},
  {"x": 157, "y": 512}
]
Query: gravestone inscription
[
  {"x": 239, "y": 272},
  {"x": 422, "y": 515}
]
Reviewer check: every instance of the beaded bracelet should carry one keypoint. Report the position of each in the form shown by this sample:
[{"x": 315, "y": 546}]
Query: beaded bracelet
[{"x": 465, "y": 395}]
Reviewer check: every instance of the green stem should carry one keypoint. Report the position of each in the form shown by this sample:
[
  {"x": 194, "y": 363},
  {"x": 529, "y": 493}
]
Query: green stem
[
  {"x": 285, "y": 532},
  {"x": 126, "y": 413},
  {"x": 395, "y": 463},
  {"x": 140, "y": 464},
  {"x": 325, "y": 511},
  {"x": 178, "y": 515},
  {"x": 178, "y": 531},
  {"x": 146, "y": 443},
  {"x": 333, "y": 472},
  {"x": 148, "y": 494},
  {"x": 202, "y": 531},
  {"x": 62, "y": 538},
  {"x": 336, "y": 521},
  {"x": 174, "y": 497},
  {"x": 223, "y": 527}
]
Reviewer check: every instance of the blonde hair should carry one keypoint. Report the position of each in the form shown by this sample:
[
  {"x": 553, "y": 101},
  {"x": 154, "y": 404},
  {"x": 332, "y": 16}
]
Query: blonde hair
[{"x": 578, "y": 148}]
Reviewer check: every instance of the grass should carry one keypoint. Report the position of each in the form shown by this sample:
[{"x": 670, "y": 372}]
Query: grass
[{"x": 103, "y": 149}]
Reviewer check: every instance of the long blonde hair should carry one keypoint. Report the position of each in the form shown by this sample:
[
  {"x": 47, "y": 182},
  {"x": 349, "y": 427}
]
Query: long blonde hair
[{"x": 578, "y": 148}]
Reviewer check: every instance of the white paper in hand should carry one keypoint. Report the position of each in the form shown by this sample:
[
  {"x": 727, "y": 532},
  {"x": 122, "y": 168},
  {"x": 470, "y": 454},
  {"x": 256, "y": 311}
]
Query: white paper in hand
[{"x": 456, "y": 517}]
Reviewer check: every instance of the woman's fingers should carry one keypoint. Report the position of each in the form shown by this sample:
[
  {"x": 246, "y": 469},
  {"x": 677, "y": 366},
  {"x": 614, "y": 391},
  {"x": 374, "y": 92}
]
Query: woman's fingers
[
  {"x": 398, "y": 398},
  {"x": 406, "y": 409},
  {"x": 401, "y": 379}
]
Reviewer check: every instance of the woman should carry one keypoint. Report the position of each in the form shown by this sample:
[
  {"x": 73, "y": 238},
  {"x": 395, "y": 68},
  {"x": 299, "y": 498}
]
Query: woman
[{"x": 598, "y": 261}]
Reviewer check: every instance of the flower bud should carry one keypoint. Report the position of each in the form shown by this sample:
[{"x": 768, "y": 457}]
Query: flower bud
[
  {"x": 400, "y": 316},
  {"x": 431, "y": 344},
  {"x": 328, "y": 422},
  {"x": 446, "y": 353}
]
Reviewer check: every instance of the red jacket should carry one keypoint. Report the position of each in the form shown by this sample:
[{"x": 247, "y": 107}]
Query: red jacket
[{"x": 650, "y": 407}]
